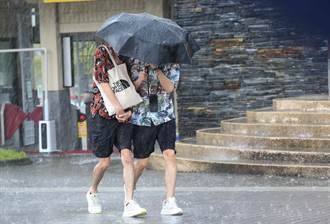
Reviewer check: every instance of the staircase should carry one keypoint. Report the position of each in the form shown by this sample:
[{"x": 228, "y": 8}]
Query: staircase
[{"x": 292, "y": 139}]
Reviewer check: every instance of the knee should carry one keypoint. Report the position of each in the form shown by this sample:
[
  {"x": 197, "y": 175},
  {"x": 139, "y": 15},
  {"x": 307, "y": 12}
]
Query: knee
[
  {"x": 104, "y": 163},
  {"x": 169, "y": 154},
  {"x": 142, "y": 164},
  {"x": 126, "y": 158}
]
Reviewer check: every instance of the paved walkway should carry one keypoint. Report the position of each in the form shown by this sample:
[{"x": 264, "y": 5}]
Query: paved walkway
[{"x": 52, "y": 190}]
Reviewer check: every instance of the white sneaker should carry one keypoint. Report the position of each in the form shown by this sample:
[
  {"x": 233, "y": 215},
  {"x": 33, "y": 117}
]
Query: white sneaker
[
  {"x": 133, "y": 209},
  {"x": 170, "y": 207},
  {"x": 94, "y": 205}
]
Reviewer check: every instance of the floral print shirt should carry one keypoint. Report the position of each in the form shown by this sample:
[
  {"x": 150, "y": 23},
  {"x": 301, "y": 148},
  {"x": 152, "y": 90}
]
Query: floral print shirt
[
  {"x": 141, "y": 113},
  {"x": 102, "y": 64}
]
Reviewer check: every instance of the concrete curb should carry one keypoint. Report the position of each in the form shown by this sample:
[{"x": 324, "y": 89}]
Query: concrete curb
[
  {"x": 193, "y": 165},
  {"x": 16, "y": 162},
  {"x": 241, "y": 126},
  {"x": 189, "y": 148},
  {"x": 208, "y": 137}
]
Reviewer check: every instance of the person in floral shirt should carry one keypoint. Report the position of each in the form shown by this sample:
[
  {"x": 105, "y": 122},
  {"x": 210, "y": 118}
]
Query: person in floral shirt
[
  {"x": 107, "y": 131},
  {"x": 142, "y": 116},
  {"x": 154, "y": 120}
]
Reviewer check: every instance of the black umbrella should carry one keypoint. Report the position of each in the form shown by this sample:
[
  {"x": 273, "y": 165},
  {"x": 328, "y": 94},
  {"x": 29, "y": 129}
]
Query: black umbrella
[{"x": 149, "y": 38}]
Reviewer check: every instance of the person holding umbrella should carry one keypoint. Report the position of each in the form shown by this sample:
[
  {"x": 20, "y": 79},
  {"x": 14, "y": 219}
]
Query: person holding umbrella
[
  {"x": 108, "y": 130},
  {"x": 154, "y": 120},
  {"x": 155, "y": 46}
]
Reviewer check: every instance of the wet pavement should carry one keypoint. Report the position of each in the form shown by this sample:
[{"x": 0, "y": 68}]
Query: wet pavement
[{"x": 52, "y": 190}]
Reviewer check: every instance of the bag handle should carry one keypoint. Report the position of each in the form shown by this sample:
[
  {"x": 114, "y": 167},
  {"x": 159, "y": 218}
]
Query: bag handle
[{"x": 110, "y": 55}]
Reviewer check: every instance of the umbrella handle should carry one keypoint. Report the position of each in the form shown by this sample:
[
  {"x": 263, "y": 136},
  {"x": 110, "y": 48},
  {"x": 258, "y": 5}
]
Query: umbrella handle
[{"x": 110, "y": 55}]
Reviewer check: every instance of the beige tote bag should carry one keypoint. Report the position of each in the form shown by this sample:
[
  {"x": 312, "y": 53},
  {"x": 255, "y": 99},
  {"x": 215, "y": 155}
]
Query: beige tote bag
[{"x": 121, "y": 85}]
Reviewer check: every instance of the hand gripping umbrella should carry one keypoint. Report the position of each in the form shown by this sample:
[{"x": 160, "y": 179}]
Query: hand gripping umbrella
[{"x": 148, "y": 38}]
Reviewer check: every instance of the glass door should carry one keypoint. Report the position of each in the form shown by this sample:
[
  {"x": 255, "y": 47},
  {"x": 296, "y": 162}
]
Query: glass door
[
  {"x": 83, "y": 47},
  {"x": 83, "y": 53},
  {"x": 8, "y": 74}
]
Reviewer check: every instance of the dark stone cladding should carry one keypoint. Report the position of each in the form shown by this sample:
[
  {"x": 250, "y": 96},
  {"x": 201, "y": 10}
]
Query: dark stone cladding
[{"x": 250, "y": 54}]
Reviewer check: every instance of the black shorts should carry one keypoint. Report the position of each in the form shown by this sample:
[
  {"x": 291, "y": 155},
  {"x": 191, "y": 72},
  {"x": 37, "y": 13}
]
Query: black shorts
[
  {"x": 144, "y": 138},
  {"x": 105, "y": 133}
]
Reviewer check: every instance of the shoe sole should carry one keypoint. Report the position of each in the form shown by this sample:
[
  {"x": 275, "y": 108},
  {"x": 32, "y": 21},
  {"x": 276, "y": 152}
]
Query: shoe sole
[
  {"x": 91, "y": 211},
  {"x": 140, "y": 214},
  {"x": 94, "y": 212},
  {"x": 172, "y": 214}
]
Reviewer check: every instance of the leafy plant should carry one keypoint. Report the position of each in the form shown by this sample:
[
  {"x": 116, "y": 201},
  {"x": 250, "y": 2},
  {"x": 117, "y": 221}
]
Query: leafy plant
[{"x": 8, "y": 154}]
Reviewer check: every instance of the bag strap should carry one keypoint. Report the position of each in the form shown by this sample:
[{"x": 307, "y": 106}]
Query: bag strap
[
  {"x": 96, "y": 82},
  {"x": 112, "y": 59}
]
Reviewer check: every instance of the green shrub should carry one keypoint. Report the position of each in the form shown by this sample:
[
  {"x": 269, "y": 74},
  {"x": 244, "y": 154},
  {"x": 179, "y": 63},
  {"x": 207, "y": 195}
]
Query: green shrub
[{"x": 8, "y": 154}]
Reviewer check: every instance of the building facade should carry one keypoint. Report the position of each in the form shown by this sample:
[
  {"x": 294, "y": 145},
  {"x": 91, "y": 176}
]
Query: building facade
[
  {"x": 36, "y": 23},
  {"x": 250, "y": 54}
]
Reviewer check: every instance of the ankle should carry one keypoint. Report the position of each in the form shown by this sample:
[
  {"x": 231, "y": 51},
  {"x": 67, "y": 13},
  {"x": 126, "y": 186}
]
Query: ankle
[
  {"x": 92, "y": 190},
  {"x": 127, "y": 202},
  {"x": 170, "y": 197},
  {"x": 128, "y": 199}
]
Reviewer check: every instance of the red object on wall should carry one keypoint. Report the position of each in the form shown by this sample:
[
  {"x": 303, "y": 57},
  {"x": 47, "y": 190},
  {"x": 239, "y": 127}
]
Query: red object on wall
[
  {"x": 14, "y": 118},
  {"x": 36, "y": 114}
]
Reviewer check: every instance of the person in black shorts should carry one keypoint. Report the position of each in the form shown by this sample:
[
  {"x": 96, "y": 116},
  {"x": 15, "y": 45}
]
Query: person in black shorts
[
  {"x": 154, "y": 120},
  {"x": 107, "y": 131}
]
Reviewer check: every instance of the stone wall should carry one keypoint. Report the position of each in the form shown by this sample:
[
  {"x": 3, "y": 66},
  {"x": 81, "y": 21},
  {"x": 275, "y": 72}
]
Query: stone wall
[{"x": 250, "y": 54}]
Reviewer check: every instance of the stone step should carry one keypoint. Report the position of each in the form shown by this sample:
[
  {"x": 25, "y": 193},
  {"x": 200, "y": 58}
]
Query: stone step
[
  {"x": 192, "y": 164},
  {"x": 241, "y": 126},
  {"x": 212, "y": 136},
  {"x": 310, "y": 103},
  {"x": 288, "y": 117},
  {"x": 189, "y": 147}
]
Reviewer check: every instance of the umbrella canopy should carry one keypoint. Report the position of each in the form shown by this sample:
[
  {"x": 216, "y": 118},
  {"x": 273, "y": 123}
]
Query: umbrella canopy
[{"x": 148, "y": 38}]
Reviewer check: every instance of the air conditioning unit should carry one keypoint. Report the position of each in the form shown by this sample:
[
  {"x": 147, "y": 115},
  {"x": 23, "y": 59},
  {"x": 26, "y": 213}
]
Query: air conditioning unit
[{"x": 47, "y": 136}]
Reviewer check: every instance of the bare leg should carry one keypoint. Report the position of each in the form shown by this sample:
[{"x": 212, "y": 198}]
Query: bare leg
[
  {"x": 139, "y": 166},
  {"x": 98, "y": 173},
  {"x": 128, "y": 173},
  {"x": 170, "y": 172}
]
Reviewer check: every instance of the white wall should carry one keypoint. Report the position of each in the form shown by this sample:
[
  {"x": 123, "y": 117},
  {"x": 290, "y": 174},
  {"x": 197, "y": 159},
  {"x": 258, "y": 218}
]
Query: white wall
[{"x": 89, "y": 16}]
